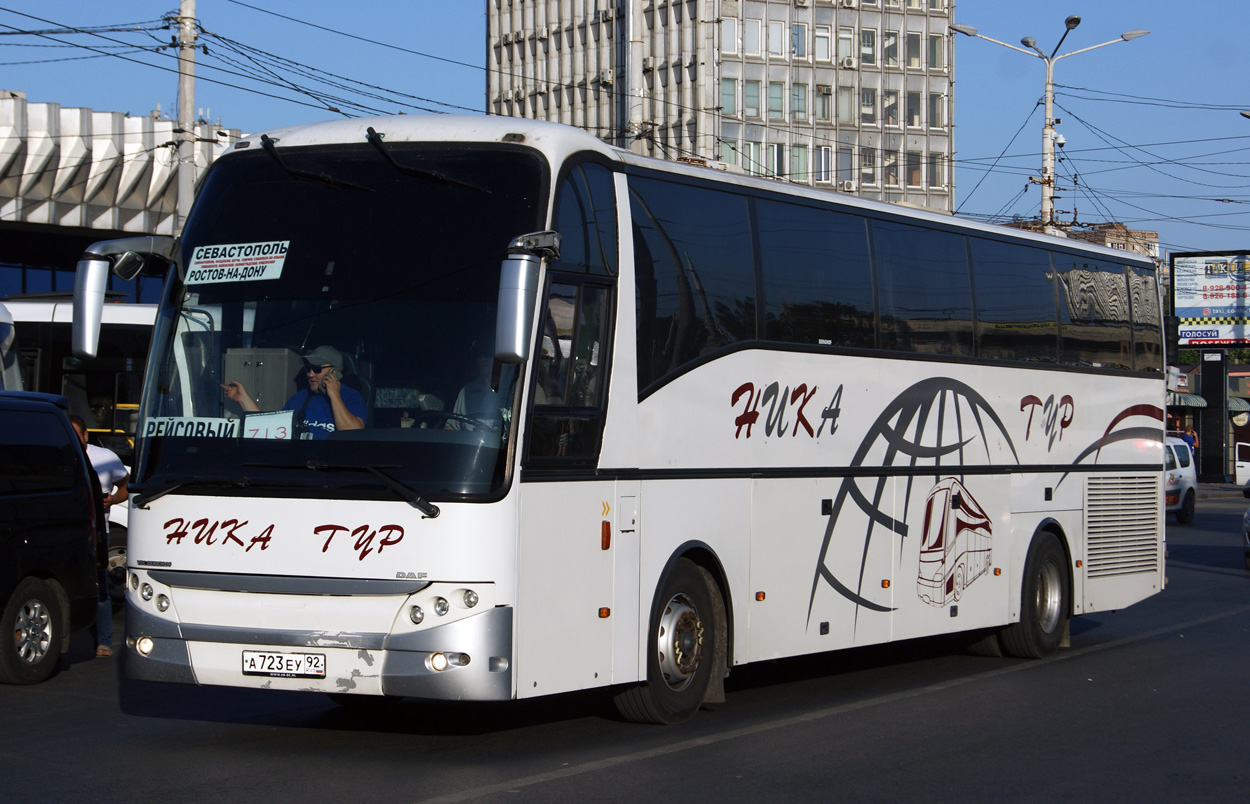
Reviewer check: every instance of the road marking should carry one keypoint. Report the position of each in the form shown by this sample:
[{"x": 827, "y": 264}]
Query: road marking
[{"x": 477, "y": 793}]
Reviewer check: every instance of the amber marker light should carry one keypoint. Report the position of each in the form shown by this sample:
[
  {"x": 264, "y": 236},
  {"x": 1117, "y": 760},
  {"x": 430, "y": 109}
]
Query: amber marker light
[
  {"x": 605, "y": 537},
  {"x": 998, "y": 570},
  {"x": 885, "y": 584},
  {"x": 1078, "y": 563},
  {"x": 605, "y": 613},
  {"x": 759, "y": 596}
]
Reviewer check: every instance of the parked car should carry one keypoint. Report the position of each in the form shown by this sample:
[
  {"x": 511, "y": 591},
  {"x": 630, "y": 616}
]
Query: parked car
[
  {"x": 51, "y": 535},
  {"x": 1180, "y": 480}
]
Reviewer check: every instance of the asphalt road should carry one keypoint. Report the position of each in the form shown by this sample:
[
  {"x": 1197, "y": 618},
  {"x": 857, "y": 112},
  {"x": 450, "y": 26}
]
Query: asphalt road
[{"x": 1149, "y": 704}]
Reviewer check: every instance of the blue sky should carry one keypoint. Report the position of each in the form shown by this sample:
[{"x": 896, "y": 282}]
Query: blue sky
[{"x": 1152, "y": 126}]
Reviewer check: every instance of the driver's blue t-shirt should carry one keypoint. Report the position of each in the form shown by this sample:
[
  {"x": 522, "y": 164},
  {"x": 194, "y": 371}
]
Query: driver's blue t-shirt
[{"x": 318, "y": 417}]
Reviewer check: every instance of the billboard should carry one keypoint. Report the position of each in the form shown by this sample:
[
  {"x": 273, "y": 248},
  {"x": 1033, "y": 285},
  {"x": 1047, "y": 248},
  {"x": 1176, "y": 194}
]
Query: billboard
[{"x": 1209, "y": 296}]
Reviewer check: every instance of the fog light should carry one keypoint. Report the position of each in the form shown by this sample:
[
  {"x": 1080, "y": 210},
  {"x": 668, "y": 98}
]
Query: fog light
[
  {"x": 144, "y": 645},
  {"x": 470, "y": 598},
  {"x": 162, "y": 603},
  {"x": 134, "y": 581},
  {"x": 416, "y": 615},
  {"x": 437, "y": 662},
  {"x": 146, "y": 591},
  {"x": 441, "y": 606}
]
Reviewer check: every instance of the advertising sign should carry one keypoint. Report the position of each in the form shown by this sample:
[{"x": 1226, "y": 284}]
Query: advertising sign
[{"x": 1209, "y": 296}]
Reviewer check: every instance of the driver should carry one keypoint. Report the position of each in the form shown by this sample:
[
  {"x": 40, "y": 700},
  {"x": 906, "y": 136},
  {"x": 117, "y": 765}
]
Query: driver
[{"x": 325, "y": 406}]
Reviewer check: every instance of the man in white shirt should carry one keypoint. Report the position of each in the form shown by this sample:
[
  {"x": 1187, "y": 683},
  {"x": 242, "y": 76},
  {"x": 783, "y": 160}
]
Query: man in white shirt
[{"x": 114, "y": 481}]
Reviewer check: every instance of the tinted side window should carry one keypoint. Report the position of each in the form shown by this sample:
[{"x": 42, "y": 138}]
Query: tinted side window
[
  {"x": 1093, "y": 313},
  {"x": 586, "y": 219},
  {"x": 36, "y": 453},
  {"x": 922, "y": 284},
  {"x": 817, "y": 276},
  {"x": 695, "y": 273},
  {"x": 1015, "y": 291},
  {"x": 1147, "y": 328}
]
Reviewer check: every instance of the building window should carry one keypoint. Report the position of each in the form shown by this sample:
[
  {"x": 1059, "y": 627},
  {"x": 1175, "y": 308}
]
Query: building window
[
  {"x": 751, "y": 98},
  {"x": 846, "y": 163},
  {"x": 798, "y": 101},
  {"x": 751, "y": 37},
  {"x": 936, "y": 106},
  {"x": 798, "y": 40},
  {"x": 776, "y": 38},
  {"x": 913, "y": 169},
  {"x": 868, "y": 105},
  {"x": 729, "y": 96},
  {"x": 798, "y": 164},
  {"x": 728, "y": 35},
  {"x": 821, "y": 44},
  {"x": 846, "y": 43},
  {"x": 751, "y": 158},
  {"x": 868, "y": 47},
  {"x": 913, "y": 50},
  {"x": 890, "y": 106},
  {"x": 776, "y": 159},
  {"x": 846, "y": 105},
  {"x": 937, "y": 5},
  {"x": 889, "y": 168},
  {"x": 867, "y": 166},
  {"x": 935, "y": 52},
  {"x": 913, "y": 109},
  {"x": 822, "y": 169},
  {"x": 889, "y": 48},
  {"x": 776, "y": 100},
  {"x": 824, "y": 102},
  {"x": 728, "y": 152},
  {"x": 916, "y": 4},
  {"x": 936, "y": 179}
]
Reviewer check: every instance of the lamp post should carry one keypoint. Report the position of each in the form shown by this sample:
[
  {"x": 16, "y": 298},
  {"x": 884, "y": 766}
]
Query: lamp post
[{"x": 1048, "y": 129}]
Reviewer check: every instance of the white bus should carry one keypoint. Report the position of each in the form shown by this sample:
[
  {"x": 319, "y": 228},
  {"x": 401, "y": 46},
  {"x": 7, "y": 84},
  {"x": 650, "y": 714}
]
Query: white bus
[{"x": 627, "y": 423}]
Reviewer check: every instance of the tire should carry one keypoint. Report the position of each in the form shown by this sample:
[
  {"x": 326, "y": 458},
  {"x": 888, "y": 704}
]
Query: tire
[
  {"x": 36, "y": 628},
  {"x": 1185, "y": 514},
  {"x": 1045, "y": 602},
  {"x": 984, "y": 643},
  {"x": 681, "y": 650}
]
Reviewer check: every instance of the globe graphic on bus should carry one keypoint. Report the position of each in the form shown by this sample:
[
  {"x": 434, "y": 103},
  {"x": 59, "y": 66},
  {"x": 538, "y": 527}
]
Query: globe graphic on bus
[{"x": 938, "y": 423}]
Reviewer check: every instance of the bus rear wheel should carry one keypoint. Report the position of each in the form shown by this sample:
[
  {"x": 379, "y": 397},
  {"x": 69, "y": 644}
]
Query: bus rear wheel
[
  {"x": 1045, "y": 602},
  {"x": 681, "y": 647}
]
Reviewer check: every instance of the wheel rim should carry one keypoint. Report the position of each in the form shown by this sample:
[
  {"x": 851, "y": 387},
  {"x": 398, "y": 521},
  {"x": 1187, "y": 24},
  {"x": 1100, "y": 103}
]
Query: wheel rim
[
  {"x": 679, "y": 642},
  {"x": 32, "y": 632},
  {"x": 1049, "y": 596}
]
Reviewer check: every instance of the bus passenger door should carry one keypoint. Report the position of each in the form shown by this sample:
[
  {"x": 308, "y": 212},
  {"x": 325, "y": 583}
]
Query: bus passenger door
[{"x": 569, "y": 519}]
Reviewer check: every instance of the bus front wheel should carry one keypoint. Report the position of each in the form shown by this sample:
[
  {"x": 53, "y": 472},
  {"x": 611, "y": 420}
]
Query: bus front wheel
[
  {"x": 1044, "y": 602},
  {"x": 681, "y": 650}
]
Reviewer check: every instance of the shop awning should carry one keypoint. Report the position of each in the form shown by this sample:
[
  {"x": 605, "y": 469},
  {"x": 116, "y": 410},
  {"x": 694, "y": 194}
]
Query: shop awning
[
  {"x": 1236, "y": 403},
  {"x": 1178, "y": 399}
]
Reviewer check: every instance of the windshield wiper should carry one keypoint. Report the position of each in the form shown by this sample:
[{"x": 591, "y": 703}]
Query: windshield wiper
[
  {"x": 375, "y": 139},
  {"x": 407, "y": 493},
  {"x": 144, "y": 497},
  {"x": 304, "y": 175}
]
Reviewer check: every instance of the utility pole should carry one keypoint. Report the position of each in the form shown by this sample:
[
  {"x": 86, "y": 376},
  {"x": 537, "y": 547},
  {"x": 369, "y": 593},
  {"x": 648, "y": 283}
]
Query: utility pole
[
  {"x": 1047, "y": 181},
  {"x": 185, "y": 133}
]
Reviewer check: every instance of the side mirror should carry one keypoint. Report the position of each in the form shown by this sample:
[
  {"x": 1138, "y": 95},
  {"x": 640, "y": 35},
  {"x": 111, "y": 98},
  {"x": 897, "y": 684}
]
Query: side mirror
[
  {"x": 127, "y": 257},
  {"x": 518, "y": 294}
]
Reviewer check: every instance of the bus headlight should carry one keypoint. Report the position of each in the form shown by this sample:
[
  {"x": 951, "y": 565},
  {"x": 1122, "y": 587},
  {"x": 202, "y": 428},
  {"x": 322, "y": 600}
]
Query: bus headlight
[
  {"x": 162, "y": 603},
  {"x": 416, "y": 615},
  {"x": 437, "y": 662},
  {"x": 470, "y": 598},
  {"x": 441, "y": 606},
  {"x": 145, "y": 591}
]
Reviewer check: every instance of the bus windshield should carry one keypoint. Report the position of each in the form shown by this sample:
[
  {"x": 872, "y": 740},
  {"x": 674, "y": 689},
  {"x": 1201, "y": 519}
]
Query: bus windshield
[{"x": 334, "y": 335}]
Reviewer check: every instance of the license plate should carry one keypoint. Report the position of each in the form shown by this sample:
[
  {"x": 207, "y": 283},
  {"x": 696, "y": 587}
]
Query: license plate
[{"x": 284, "y": 665}]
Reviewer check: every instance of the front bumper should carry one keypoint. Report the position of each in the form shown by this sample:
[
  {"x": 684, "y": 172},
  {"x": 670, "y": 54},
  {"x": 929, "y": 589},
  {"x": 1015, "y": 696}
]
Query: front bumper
[{"x": 363, "y": 663}]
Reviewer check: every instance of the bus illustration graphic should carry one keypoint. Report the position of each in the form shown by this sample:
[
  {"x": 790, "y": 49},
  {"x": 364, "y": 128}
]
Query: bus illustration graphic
[{"x": 956, "y": 547}]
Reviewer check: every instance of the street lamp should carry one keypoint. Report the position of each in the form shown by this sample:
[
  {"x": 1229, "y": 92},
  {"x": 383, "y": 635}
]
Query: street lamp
[{"x": 1048, "y": 130}]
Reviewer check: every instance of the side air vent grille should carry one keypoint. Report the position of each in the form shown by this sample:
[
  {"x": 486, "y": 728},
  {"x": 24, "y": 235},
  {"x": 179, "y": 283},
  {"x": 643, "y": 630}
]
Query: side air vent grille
[{"x": 1122, "y": 525}]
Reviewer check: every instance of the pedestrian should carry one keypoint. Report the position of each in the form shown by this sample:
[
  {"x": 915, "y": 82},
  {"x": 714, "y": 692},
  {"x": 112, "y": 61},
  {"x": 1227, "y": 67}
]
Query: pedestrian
[
  {"x": 114, "y": 485},
  {"x": 1191, "y": 438}
]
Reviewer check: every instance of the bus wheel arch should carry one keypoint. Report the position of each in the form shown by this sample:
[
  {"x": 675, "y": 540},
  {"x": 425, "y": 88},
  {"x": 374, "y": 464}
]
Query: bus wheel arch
[
  {"x": 1045, "y": 597},
  {"x": 686, "y": 656}
]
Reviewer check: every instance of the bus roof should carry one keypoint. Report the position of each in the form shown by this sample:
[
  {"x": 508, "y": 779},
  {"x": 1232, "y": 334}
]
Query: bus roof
[{"x": 557, "y": 141}]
